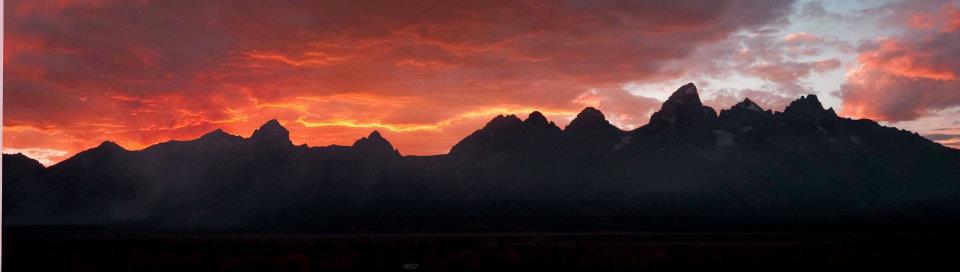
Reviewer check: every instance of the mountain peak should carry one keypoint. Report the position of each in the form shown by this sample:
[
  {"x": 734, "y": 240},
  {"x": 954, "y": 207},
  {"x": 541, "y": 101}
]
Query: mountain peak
[
  {"x": 747, "y": 104},
  {"x": 108, "y": 145},
  {"x": 809, "y": 101},
  {"x": 685, "y": 104},
  {"x": 219, "y": 136},
  {"x": 21, "y": 161},
  {"x": 683, "y": 117},
  {"x": 684, "y": 99},
  {"x": 744, "y": 116},
  {"x": 808, "y": 108},
  {"x": 685, "y": 95},
  {"x": 508, "y": 134},
  {"x": 375, "y": 144},
  {"x": 215, "y": 134},
  {"x": 536, "y": 117},
  {"x": 591, "y": 132},
  {"x": 589, "y": 118},
  {"x": 536, "y": 120},
  {"x": 271, "y": 131},
  {"x": 16, "y": 167},
  {"x": 375, "y": 135},
  {"x": 272, "y": 123},
  {"x": 501, "y": 121},
  {"x": 590, "y": 113}
]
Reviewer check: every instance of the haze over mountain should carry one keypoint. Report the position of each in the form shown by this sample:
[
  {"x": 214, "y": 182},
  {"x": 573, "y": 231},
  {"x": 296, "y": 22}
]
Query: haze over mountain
[{"x": 689, "y": 167}]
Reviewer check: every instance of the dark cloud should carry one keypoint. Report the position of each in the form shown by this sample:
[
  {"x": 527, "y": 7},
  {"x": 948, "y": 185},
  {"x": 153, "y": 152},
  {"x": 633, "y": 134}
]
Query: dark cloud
[
  {"x": 815, "y": 10},
  {"x": 942, "y": 137}
]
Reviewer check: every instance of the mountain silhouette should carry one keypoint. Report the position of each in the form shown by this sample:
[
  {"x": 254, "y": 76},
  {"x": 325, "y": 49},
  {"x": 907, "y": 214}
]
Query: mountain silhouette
[
  {"x": 682, "y": 119},
  {"x": 687, "y": 168},
  {"x": 375, "y": 145}
]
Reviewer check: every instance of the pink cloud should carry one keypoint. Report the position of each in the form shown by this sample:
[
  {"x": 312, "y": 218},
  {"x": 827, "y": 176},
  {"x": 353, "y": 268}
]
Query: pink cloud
[
  {"x": 906, "y": 77},
  {"x": 622, "y": 108}
]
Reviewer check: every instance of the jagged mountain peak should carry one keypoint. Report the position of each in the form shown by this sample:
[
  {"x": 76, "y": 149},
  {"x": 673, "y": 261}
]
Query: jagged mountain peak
[
  {"x": 747, "y": 104},
  {"x": 808, "y": 108},
  {"x": 591, "y": 133},
  {"x": 219, "y": 137},
  {"x": 683, "y": 106},
  {"x": 508, "y": 133},
  {"x": 682, "y": 119},
  {"x": 590, "y": 113},
  {"x": 216, "y": 134},
  {"x": 501, "y": 121},
  {"x": 375, "y": 144},
  {"x": 685, "y": 95},
  {"x": 19, "y": 160},
  {"x": 809, "y": 101},
  {"x": 744, "y": 116},
  {"x": 272, "y": 124},
  {"x": 271, "y": 131},
  {"x": 373, "y": 138},
  {"x": 537, "y": 118},
  {"x": 505, "y": 118},
  {"x": 375, "y": 135},
  {"x": 588, "y": 119},
  {"x": 684, "y": 99},
  {"x": 16, "y": 167},
  {"x": 107, "y": 150},
  {"x": 108, "y": 145}
]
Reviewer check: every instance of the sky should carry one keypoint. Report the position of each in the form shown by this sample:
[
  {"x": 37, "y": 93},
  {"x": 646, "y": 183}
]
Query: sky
[{"x": 427, "y": 73}]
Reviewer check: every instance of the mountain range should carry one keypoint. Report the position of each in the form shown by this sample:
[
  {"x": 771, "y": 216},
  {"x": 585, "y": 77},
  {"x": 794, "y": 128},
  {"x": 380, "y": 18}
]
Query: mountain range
[{"x": 688, "y": 168}]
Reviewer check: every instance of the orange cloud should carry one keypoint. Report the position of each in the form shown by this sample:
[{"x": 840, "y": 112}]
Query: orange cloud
[{"x": 425, "y": 73}]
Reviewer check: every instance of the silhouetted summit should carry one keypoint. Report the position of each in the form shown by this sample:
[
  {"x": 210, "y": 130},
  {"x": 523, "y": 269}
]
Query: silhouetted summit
[
  {"x": 18, "y": 165},
  {"x": 747, "y": 105},
  {"x": 219, "y": 138},
  {"x": 682, "y": 120},
  {"x": 744, "y": 116},
  {"x": 271, "y": 132},
  {"x": 688, "y": 168},
  {"x": 375, "y": 145},
  {"x": 509, "y": 137},
  {"x": 108, "y": 146},
  {"x": 536, "y": 119},
  {"x": 590, "y": 120},
  {"x": 808, "y": 108},
  {"x": 684, "y": 98},
  {"x": 591, "y": 133}
]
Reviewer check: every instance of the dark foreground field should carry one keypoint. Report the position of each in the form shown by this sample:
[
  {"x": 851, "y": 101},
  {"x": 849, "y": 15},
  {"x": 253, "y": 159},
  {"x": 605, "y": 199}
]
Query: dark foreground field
[{"x": 45, "y": 250}]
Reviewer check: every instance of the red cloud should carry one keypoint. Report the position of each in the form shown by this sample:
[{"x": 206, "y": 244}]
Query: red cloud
[{"x": 425, "y": 73}]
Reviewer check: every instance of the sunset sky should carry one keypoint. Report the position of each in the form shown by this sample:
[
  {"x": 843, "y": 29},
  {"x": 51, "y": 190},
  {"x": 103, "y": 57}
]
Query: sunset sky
[{"x": 426, "y": 74}]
